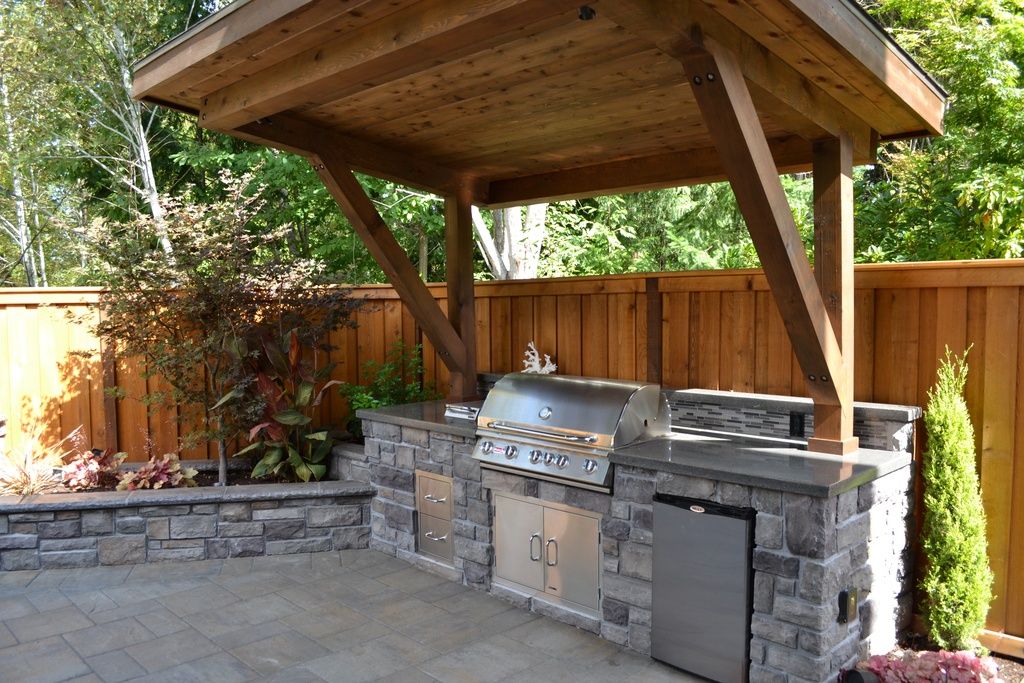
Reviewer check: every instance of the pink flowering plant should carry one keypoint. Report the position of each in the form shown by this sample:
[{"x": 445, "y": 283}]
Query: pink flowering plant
[
  {"x": 160, "y": 472},
  {"x": 91, "y": 468},
  {"x": 933, "y": 667}
]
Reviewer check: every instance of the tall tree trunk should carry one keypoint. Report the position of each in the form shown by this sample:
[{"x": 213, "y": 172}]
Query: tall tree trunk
[
  {"x": 37, "y": 224},
  {"x": 424, "y": 260},
  {"x": 23, "y": 238}
]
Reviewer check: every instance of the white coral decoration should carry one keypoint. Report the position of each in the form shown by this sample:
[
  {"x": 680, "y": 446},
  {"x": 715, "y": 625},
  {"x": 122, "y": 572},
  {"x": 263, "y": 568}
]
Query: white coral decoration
[{"x": 532, "y": 362}]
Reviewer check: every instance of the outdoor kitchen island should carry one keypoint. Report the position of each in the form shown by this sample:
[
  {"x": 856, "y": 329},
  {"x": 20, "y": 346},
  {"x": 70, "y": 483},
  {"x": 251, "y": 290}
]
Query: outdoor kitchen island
[{"x": 824, "y": 524}]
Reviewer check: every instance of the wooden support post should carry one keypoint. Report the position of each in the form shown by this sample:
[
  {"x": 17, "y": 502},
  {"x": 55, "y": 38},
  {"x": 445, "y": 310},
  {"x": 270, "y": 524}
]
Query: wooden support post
[
  {"x": 458, "y": 223},
  {"x": 729, "y": 114},
  {"x": 833, "y": 271},
  {"x": 337, "y": 176}
]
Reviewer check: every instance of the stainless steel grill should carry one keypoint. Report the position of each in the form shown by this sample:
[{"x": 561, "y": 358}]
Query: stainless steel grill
[{"x": 563, "y": 428}]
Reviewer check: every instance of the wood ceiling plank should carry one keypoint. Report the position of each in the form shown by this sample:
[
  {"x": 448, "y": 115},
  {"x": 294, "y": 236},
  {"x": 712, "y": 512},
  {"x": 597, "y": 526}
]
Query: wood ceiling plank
[
  {"x": 505, "y": 67},
  {"x": 673, "y": 25},
  {"x": 401, "y": 44},
  {"x": 672, "y": 169},
  {"x": 329, "y": 21}
]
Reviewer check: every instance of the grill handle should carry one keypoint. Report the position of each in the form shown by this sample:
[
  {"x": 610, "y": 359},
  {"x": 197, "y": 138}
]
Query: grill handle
[{"x": 590, "y": 438}]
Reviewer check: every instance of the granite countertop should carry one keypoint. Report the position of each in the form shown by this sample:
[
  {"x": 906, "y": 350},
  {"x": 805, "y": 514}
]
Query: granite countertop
[
  {"x": 778, "y": 464},
  {"x": 426, "y": 415}
]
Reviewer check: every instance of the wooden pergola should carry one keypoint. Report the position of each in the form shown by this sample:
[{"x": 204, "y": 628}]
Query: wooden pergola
[{"x": 508, "y": 102}]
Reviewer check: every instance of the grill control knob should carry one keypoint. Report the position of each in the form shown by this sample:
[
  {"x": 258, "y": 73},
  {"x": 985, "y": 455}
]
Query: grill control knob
[
  {"x": 549, "y": 459},
  {"x": 486, "y": 447},
  {"x": 511, "y": 452},
  {"x": 589, "y": 466},
  {"x": 535, "y": 456},
  {"x": 562, "y": 461}
]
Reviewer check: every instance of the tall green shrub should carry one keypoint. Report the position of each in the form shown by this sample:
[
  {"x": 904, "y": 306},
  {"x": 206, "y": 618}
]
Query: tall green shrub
[{"x": 957, "y": 583}]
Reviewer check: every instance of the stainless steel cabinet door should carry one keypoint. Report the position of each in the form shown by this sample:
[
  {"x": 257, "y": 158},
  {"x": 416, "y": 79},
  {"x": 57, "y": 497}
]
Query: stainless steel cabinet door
[
  {"x": 518, "y": 527},
  {"x": 571, "y": 548}
]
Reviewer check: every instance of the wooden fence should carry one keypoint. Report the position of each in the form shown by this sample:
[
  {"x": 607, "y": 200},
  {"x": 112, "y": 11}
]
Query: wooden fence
[{"x": 717, "y": 330}]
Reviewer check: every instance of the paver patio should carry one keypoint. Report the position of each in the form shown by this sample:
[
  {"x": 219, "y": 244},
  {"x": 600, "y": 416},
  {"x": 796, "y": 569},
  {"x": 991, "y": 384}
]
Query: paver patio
[{"x": 352, "y": 616}]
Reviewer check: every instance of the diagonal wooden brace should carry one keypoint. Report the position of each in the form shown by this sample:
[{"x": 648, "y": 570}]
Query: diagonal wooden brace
[
  {"x": 729, "y": 114},
  {"x": 337, "y": 176}
]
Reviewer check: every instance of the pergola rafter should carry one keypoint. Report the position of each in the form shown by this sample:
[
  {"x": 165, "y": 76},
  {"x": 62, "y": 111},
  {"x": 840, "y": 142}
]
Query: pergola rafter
[{"x": 505, "y": 102}]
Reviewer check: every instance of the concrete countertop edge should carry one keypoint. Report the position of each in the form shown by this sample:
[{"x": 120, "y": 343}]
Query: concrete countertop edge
[
  {"x": 399, "y": 415},
  {"x": 182, "y": 496}
]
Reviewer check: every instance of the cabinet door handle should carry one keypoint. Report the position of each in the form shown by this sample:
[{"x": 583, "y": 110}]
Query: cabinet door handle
[
  {"x": 432, "y": 499},
  {"x": 532, "y": 539},
  {"x": 432, "y": 537},
  {"x": 551, "y": 541}
]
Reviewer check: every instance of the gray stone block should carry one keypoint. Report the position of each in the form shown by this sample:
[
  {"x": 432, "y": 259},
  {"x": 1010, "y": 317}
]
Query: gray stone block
[
  {"x": 222, "y": 548},
  {"x": 122, "y": 549},
  {"x": 164, "y": 510},
  {"x": 194, "y": 526},
  {"x": 810, "y": 525},
  {"x": 820, "y": 582},
  {"x": 176, "y": 543},
  {"x": 588, "y": 500},
  {"x": 12, "y": 541},
  {"x": 265, "y": 504},
  {"x": 23, "y": 528},
  {"x": 68, "y": 559},
  {"x": 405, "y": 457},
  {"x": 550, "y": 491},
  {"x": 399, "y": 517},
  {"x": 617, "y": 529},
  {"x": 641, "y": 536},
  {"x": 479, "y": 512},
  {"x": 17, "y": 560},
  {"x": 566, "y": 615},
  {"x": 130, "y": 525},
  {"x": 636, "y": 560},
  {"x": 350, "y": 537},
  {"x": 394, "y": 478},
  {"x": 776, "y": 563},
  {"x": 301, "y": 545},
  {"x": 620, "y": 510},
  {"x": 769, "y": 502},
  {"x": 279, "y": 529},
  {"x": 761, "y": 674},
  {"x": 206, "y": 509},
  {"x": 238, "y": 529},
  {"x": 278, "y": 513},
  {"x": 67, "y": 514},
  {"x": 855, "y": 530},
  {"x": 502, "y": 481},
  {"x": 634, "y": 489},
  {"x": 3, "y": 524},
  {"x": 734, "y": 494},
  {"x": 517, "y": 599},
  {"x": 823, "y": 642},
  {"x": 640, "y": 638},
  {"x": 158, "y": 528},
  {"x": 764, "y": 592},
  {"x": 847, "y": 505},
  {"x": 31, "y": 517},
  {"x": 55, "y": 544},
  {"x": 682, "y": 485},
  {"x": 627, "y": 590},
  {"x": 477, "y": 574},
  {"x": 334, "y": 515},
  {"x": 757, "y": 650},
  {"x": 768, "y": 531},
  {"x": 616, "y": 634},
  {"x": 774, "y": 631},
  {"x": 126, "y": 512},
  {"x": 441, "y": 452},
  {"x": 67, "y": 529},
  {"x": 643, "y": 517},
  {"x": 801, "y": 613},
  {"x": 175, "y": 554},
  {"x": 97, "y": 522},
  {"x": 467, "y": 468},
  {"x": 416, "y": 437},
  {"x": 473, "y": 550},
  {"x": 609, "y": 546},
  {"x": 797, "y": 664}
]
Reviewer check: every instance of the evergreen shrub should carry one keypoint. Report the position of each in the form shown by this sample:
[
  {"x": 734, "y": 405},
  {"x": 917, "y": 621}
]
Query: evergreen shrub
[{"x": 957, "y": 582}]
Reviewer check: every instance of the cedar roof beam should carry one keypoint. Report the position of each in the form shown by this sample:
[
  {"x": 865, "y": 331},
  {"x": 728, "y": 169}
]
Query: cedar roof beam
[
  {"x": 677, "y": 27},
  {"x": 833, "y": 271},
  {"x": 673, "y": 169},
  {"x": 458, "y": 223},
  {"x": 294, "y": 135},
  {"x": 336, "y": 174},
  {"x": 728, "y": 112},
  {"x": 406, "y": 42}
]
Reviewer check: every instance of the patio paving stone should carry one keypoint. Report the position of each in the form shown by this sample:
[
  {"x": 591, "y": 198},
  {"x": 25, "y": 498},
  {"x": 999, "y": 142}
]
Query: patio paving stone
[{"x": 348, "y": 617}]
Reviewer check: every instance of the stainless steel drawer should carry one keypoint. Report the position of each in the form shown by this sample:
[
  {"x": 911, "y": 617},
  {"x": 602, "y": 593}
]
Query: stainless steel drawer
[
  {"x": 434, "y": 537},
  {"x": 434, "y": 495}
]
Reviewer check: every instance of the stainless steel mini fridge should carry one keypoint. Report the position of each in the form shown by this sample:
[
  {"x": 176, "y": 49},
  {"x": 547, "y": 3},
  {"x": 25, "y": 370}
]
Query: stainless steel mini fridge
[{"x": 703, "y": 582}]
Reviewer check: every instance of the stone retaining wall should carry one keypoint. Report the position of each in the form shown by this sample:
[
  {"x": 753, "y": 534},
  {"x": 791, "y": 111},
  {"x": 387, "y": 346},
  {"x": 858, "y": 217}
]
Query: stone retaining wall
[{"x": 86, "y": 530}]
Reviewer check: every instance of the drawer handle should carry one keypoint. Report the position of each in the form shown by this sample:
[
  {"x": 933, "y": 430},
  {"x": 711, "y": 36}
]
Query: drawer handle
[
  {"x": 551, "y": 541},
  {"x": 432, "y": 499},
  {"x": 532, "y": 539},
  {"x": 432, "y": 537}
]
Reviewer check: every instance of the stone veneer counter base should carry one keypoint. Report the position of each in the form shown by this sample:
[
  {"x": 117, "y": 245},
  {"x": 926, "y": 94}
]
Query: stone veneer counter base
[
  {"x": 823, "y": 524},
  {"x": 136, "y": 527}
]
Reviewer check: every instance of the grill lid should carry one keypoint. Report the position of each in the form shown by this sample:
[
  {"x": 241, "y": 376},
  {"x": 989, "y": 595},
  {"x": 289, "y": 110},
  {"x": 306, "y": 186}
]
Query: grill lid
[{"x": 581, "y": 411}]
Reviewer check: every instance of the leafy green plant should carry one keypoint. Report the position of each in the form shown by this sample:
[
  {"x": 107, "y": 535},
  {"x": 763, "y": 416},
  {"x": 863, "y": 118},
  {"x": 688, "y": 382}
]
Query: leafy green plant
[
  {"x": 398, "y": 380},
  {"x": 290, "y": 388},
  {"x": 958, "y": 581},
  {"x": 160, "y": 472}
]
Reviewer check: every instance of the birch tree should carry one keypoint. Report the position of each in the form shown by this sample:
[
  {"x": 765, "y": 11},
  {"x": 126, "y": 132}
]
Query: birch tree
[{"x": 512, "y": 249}]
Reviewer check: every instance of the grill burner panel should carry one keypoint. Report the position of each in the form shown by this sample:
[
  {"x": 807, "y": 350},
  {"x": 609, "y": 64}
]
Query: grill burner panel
[{"x": 563, "y": 428}]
